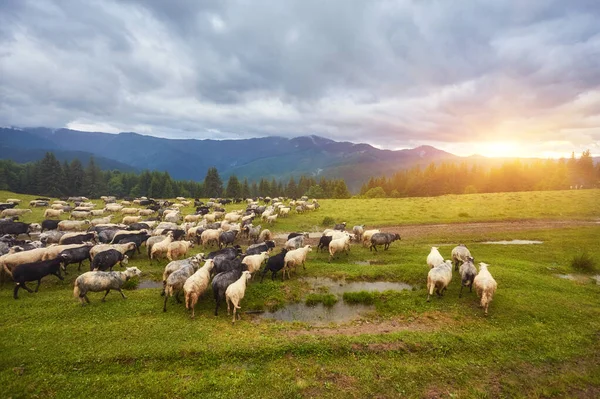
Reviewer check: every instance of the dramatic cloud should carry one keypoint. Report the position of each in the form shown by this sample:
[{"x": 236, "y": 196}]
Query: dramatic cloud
[{"x": 470, "y": 76}]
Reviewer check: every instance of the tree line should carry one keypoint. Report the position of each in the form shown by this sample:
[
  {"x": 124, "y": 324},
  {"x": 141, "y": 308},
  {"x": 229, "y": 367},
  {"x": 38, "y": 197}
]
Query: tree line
[
  {"x": 462, "y": 178},
  {"x": 50, "y": 177}
]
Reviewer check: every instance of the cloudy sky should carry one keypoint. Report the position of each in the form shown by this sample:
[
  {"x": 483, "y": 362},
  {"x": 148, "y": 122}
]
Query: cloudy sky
[{"x": 490, "y": 77}]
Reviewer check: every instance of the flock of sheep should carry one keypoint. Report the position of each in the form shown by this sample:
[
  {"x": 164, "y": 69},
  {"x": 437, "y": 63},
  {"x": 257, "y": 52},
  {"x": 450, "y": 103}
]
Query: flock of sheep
[{"x": 167, "y": 233}]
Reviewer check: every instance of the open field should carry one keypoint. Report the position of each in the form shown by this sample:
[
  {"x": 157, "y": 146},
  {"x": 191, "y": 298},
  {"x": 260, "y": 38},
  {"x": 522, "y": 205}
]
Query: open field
[{"x": 541, "y": 338}]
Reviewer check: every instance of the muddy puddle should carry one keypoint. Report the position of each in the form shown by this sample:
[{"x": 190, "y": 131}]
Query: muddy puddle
[
  {"x": 145, "y": 284},
  {"x": 319, "y": 314},
  {"x": 339, "y": 287},
  {"x": 513, "y": 242}
]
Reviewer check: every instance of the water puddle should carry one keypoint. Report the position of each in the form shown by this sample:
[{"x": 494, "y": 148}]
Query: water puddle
[
  {"x": 513, "y": 242},
  {"x": 369, "y": 262},
  {"x": 319, "y": 314},
  {"x": 145, "y": 284},
  {"x": 284, "y": 236},
  {"x": 338, "y": 287}
]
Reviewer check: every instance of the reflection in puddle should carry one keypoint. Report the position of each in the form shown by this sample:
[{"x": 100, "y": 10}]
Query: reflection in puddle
[
  {"x": 339, "y": 287},
  {"x": 319, "y": 314}
]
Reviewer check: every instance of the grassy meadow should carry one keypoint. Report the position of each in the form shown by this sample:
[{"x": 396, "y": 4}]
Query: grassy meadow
[{"x": 541, "y": 338}]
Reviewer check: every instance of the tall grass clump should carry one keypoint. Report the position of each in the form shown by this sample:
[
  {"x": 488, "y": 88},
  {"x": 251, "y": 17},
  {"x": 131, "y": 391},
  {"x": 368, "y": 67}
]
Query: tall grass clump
[
  {"x": 364, "y": 297},
  {"x": 328, "y": 221},
  {"x": 583, "y": 262},
  {"x": 326, "y": 299}
]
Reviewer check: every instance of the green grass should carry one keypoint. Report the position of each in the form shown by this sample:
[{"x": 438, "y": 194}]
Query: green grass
[
  {"x": 583, "y": 262},
  {"x": 364, "y": 297},
  {"x": 328, "y": 300},
  {"x": 539, "y": 340}
]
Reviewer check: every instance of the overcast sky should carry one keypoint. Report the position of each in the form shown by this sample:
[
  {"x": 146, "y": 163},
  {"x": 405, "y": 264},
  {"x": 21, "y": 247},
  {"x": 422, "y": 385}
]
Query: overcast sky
[{"x": 491, "y": 77}]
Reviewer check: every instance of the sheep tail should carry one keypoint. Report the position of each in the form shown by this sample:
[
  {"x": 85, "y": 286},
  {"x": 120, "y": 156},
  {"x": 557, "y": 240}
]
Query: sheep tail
[
  {"x": 486, "y": 298},
  {"x": 431, "y": 286},
  {"x": 76, "y": 291}
]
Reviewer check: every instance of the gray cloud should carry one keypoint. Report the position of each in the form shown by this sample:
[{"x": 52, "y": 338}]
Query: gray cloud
[{"x": 391, "y": 73}]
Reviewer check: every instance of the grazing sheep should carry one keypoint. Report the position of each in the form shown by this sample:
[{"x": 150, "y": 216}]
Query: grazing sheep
[
  {"x": 210, "y": 236},
  {"x": 467, "y": 275},
  {"x": 35, "y": 271},
  {"x": 14, "y": 212},
  {"x": 178, "y": 264},
  {"x": 122, "y": 248},
  {"x": 108, "y": 259},
  {"x": 176, "y": 281},
  {"x": 52, "y": 213},
  {"x": 485, "y": 286},
  {"x": 102, "y": 281},
  {"x": 72, "y": 225},
  {"x": 177, "y": 249},
  {"x": 235, "y": 293},
  {"x": 438, "y": 278},
  {"x": 196, "y": 285},
  {"x": 366, "y": 236},
  {"x": 104, "y": 220},
  {"x": 294, "y": 258},
  {"x": 274, "y": 264},
  {"x": 254, "y": 262},
  {"x": 338, "y": 245},
  {"x": 434, "y": 258},
  {"x": 161, "y": 248},
  {"x": 460, "y": 254},
  {"x": 131, "y": 219},
  {"x": 265, "y": 235},
  {"x": 384, "y": 239},
  {"x": 221, "y": 282},
  {"x": 79, "y": 215}
]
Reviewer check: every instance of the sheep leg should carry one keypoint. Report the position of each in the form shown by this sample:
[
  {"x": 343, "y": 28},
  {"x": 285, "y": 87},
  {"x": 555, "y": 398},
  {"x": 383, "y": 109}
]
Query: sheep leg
[
  {"x": 16, "y": 291},
  {"x": 177, "y": 297},
  {"x": 228, "y": 310},
  {"x": 461, "y": 288},
  {"x": 123, "y": 295},
  {"x": 165, "y": 304},
  {"x": 38, "y": 285},
  {"x": 104, "y": 297}
]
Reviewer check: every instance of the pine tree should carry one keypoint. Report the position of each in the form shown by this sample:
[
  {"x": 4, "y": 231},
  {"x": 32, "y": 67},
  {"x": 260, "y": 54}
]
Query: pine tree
[
  {"x": 234, "y": 190},
  {"x": 291, "y": 189},
  {"x": 341, "y": 190},
  {"x": 246, "y": 189},
  {"x": 213, "y": 186},
  {"x": 94, "y": 185}
]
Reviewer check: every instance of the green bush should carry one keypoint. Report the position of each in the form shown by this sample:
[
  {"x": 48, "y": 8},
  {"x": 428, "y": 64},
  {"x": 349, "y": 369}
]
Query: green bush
[
  {"x": 131, "y": 284},
  {"x": 364, "y": 297},
  {"x": 583, "y": 262},
  {"x": 328, "y": 221}
]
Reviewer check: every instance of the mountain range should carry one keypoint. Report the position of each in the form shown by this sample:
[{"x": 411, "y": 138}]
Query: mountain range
[{"x": 266, "y": 157}]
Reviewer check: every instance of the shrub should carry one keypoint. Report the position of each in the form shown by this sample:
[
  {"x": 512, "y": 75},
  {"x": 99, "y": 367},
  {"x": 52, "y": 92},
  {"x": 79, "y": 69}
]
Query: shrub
[
  {"x": 328, "y": 221},
  {"x": 131, "y": 284},
  {"x": 375, "y": 192},
  {"x": 326, "y": 299},
  {"x": 364, "y": 297},
  {"x": 463, "y": 215},
  {"x": 583, "y": 262}
]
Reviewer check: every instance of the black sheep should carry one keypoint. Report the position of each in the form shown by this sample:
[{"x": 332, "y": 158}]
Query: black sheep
[
  {"x": 340, "y": 226},
  {"x": 35, "y": 271},
  {"x": 224, "y": 280},
  {"x": 230, "y": 253},
  {"x": 76, "y": 255},
  {"x": 80, "y": 238},
  {"x": 324, "y": 242},
  {"x": 15, "y": 228},
  {"x": 138, "y": 226},
  {"x": 227, "y": 238},
  {"x": 50, "y": 224},
  {"x": 107, "y": 259},
  {"x": 258, "y": 248},
  {"x": 384, "y": 239},
  {"x": 137, "y": 239},
  {"x": 223, "y": 264},
  {"x": 274, "y": 264},
  {"x": 177, "y": 233}
]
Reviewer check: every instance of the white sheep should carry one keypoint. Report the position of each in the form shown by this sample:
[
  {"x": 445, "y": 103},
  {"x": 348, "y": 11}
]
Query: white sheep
[
  {"x": 235, "y": 293},
  {"x": 102, "y": 281},
  {"x": 53, "y": 213},
  {"x": 71, "y": 225},
  {"x": 14, "y": 212},
  {"x": 209, "y": 236},
  {"x": 438, "y": 278},
  {"x": 129, "y": 211},
  {"x": 271, "y": 219},
  {"x": 161, "y": 248},
  {"x": 366, "y": 236},
  {"x": 178, "y": 248},
  {"x": 196, "y": 285},
  {"x": 253, "y": 262},
  {"x": 358, "y": 231},
  {"x": 434, "y": 258},
  {"x": 14, "y": 200},
  {"x": 176, "y": 281},
  {"x": 338, "y": 245},
  {"x": 9, "y": 261},
  {"x": 294, "y": 258},
  {"x": 460, "y": 254},
  {"x": 485, "y": 286},
  {"x": 131, "y": 219},
  {"x": 172, "y": 217},
  {"x": 97, "y": 212},
  {"x": 113, "y": 208},
  {"x": 265, "y": 235},
  {"x": 192, "y": 218},
  {"x": 146, "y": 212},
  {"x": 79, "y": 215},
  {"x": 104, "y": 220},
  {"x": 178, "y": 264}
]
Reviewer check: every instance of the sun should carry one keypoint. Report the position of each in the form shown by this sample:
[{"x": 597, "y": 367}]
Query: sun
[{"x": 501, "y": 149}]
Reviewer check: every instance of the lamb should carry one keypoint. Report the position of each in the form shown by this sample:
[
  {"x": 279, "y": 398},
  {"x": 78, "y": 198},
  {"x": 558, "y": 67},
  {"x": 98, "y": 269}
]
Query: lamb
[
  {"x": 221, "y": 282},
  {"x": 296, "y": 257},
  {"x": 366, "y": 236},
  {"x": 253, "y": 262},
  {"x": 178, "y": 264},
  {"x": 80, "y": 215},
  {"x": 122, "y": 248},
  {"x": 467, "y": 274},
  {"x": 271, "y": 219},
  {"x": 337, "y": 245},
  {"x": 178, "y": 248},
  {"x": 161, "y": 248},
  {"x": 131, "y": 219},
  {"x": 235, "y": 292},
  {"x": 438, "y": 278},
  {"x": 176, "y": 281},
  {"x": 35, "y": 271},
  {"x": 384, "y": 239},
  {"x": 460, "y": 254},
  {"x": 485, "y": 286},
  {"x": 14, "y": 212},
  {"x": 274, "y": 264},
  {"x": 71, "y": 225},
  {"x": 52, "y": 213},
  {"x": 434, "y": 258},
  {"x": 358, "y": 231},
  {"x": 108, "y": 259},
  {"x": 102, "y": 281},
  {"x": 196, "y": 285},
  {"x": 265, "y": 235}
]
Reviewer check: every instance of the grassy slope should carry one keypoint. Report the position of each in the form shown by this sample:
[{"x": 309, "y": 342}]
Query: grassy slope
[{"x": 541, "y": 338}]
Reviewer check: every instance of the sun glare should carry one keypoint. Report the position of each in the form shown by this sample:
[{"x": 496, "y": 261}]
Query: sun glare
[{"x": 501, "y": 149}]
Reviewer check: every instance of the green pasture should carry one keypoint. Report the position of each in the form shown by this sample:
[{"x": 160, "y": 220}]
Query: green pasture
[{"x": 541, "y": 338}]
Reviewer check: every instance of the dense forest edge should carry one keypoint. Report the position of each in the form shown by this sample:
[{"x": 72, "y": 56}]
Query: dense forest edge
[{"x": 50, "y": 177}]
